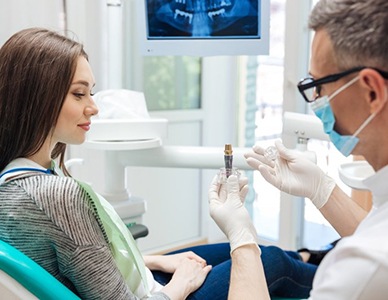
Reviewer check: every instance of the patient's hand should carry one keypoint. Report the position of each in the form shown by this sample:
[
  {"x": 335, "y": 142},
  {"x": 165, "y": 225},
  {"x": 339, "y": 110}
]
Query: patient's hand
[
  {"x": 189, "y": 275},
  {"x": 170, "y": 263}
]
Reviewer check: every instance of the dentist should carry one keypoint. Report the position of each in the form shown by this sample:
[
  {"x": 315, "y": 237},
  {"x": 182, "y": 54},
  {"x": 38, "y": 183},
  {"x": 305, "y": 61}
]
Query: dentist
[{"x": 348, "y": 91}]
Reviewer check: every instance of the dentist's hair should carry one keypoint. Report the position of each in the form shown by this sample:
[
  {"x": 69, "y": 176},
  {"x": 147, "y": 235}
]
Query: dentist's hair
[
  {"x": 357, "y": 29},
  {"x": 36, "y": 70}
]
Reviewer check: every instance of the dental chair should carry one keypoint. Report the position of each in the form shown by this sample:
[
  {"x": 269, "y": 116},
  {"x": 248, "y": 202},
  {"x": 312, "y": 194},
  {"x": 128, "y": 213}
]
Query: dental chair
[
  {"x": 22, "y": 278},
  {"x": 138, "y": 230}
]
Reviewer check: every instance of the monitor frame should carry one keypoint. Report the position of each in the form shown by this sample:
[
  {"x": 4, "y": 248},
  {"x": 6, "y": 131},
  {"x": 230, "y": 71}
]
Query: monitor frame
[{"x": 204, "y": 46}]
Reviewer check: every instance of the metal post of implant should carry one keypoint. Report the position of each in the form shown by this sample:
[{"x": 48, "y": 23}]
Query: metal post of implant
[{"x": 228, "y": 158}]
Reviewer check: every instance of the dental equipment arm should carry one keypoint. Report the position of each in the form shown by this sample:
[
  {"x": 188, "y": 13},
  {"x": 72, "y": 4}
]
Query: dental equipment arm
[
  {"x": 181, "y": 157},
  {"x": 293, "y": 173}
]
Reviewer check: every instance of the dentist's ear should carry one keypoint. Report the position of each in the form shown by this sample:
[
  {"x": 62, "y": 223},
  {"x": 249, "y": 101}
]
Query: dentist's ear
[{"x": 376, "y": 88}]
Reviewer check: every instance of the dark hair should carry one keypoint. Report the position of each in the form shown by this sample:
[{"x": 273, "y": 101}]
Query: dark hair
[
  {"x": 357, "y": 29},
  {"x": 36, "y": 70}
]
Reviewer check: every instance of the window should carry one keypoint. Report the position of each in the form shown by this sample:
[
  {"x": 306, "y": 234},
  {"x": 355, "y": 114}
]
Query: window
[
  {"x": 172, "y": 82},
  {"x": 269, "y": 100},
  {"x": 270, "y": 75}
]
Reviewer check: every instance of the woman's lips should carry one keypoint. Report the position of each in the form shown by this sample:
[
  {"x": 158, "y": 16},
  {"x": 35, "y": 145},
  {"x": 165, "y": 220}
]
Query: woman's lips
[{"x": 85, "y": 126}]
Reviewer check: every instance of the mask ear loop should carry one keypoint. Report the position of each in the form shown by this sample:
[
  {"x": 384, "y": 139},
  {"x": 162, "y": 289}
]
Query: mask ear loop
[
  {"x": 367, "y": 121},
  {"x": 343, "y": 87},
  {"x": 363, "y": 125}
]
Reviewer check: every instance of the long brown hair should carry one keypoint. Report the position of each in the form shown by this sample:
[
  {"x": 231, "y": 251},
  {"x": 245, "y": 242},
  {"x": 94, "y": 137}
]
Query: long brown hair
[{"x": 36, "y": 70}]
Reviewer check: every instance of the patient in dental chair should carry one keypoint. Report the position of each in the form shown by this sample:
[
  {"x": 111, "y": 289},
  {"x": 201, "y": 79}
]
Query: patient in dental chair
[{"x": 45, "y": 103}]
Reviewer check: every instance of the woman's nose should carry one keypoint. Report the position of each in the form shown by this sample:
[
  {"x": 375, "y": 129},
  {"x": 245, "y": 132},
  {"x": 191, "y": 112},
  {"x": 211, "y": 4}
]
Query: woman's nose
[{"x": 92, "y": 108}]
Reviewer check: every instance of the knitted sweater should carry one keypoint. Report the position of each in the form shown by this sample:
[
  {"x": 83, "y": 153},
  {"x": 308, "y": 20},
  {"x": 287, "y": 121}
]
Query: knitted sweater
[{"x": 50, "y": 219}]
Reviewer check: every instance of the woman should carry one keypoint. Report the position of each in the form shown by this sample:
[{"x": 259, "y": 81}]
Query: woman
[{"x": 45, "y": 103}]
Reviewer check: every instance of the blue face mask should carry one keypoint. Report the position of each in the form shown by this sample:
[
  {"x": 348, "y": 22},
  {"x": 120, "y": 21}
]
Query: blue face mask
[{"x": 322, "y": 109}]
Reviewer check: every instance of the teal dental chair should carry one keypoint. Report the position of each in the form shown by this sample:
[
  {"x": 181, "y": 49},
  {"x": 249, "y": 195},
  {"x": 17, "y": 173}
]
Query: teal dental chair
[{"x": 22, "y": 278}]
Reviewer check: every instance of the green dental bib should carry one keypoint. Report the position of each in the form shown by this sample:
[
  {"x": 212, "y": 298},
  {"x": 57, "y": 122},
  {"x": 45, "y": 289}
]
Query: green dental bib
[{"x": 123, "y": 246}]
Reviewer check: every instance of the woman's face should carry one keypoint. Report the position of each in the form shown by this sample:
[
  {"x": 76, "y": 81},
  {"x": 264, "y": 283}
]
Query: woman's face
[{"x": 74, "y": 118}]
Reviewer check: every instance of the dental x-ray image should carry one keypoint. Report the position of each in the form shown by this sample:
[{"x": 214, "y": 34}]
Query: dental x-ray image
[{"x": 203, "y": 18}]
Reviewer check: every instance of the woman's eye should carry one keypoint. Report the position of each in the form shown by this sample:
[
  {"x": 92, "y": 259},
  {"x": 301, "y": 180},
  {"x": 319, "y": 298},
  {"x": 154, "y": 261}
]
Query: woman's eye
[{"x": 79, "y": 95}]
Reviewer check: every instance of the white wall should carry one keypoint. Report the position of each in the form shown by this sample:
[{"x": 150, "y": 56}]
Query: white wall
[
  {"x": 177, "y": 199},
  {"x": 19, "y": 14}
]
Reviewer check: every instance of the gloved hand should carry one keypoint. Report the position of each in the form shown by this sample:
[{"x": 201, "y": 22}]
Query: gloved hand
[
  {"x": 292, "y": 173},
  {"x": 227, "y": 209}
]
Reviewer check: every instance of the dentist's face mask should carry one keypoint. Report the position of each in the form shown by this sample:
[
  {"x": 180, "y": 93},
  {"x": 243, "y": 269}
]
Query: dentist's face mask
[{"x": 321, "y": 107}]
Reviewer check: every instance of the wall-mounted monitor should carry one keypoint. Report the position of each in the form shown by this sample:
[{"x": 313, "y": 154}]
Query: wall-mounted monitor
[{"x": 203, "y": 27}]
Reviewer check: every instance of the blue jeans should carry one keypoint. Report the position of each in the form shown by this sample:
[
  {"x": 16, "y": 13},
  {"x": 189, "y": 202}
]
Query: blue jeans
[{"x": 287, "y": 275}]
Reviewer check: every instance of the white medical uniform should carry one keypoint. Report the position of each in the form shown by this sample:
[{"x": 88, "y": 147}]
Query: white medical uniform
[{"x": 357, "y": 268}]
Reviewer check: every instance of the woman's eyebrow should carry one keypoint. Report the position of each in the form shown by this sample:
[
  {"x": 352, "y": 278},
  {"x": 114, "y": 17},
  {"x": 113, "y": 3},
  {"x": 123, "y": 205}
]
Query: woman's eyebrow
[{"x": 83, "y": 82}]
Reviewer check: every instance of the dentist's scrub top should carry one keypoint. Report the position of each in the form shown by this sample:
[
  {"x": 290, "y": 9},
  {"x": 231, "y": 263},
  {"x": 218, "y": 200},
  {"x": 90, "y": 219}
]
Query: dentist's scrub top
[{"x": 357, "y": 268}]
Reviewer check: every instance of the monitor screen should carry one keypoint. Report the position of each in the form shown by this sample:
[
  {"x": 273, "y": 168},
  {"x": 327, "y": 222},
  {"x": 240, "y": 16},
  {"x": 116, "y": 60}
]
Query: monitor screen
[{"x": 204, "y": 27}]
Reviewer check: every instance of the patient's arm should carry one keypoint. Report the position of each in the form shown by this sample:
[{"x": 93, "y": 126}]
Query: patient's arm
[
  {"x": 247, "y": 275},
  {"x": 342, "y": 212}
]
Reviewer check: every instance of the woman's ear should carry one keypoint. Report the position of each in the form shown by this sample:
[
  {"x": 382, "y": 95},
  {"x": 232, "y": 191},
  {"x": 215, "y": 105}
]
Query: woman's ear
[{"x": 376, "y": 88}]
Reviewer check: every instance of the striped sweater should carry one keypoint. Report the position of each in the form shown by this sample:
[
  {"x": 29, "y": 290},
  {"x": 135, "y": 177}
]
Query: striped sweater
[{"x": 50, "y": 219}]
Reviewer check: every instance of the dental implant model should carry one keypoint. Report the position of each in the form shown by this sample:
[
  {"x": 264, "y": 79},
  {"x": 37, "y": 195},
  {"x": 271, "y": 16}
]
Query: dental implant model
[
  {"x": 228, "y": 159},
  {"x": 228, "y": 170}
]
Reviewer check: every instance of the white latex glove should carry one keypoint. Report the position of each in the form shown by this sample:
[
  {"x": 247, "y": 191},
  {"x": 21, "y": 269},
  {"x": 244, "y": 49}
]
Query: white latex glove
[
  {"x": 293, "y": 173},
  {"x": 228, "y": 211}
]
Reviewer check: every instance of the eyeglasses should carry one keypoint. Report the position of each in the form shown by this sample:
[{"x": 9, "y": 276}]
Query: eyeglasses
[{"x": 311, "y": 89}]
